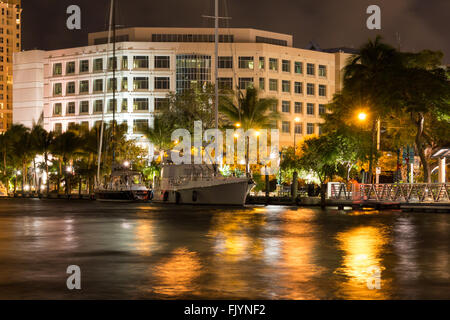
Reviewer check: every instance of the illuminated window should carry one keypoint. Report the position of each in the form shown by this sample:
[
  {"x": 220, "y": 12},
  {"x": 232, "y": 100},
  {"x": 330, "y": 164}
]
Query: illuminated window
[
  {"x": 286, "y": 127},
  {"x": 322, "y": 90},
  {"x": 162, "y": 83},
  {"x": 84, "y": 66},
  {"x": 192, "y": 71},
  {"x": 70, "y": 67},
  {"x": 112, "y": 63},
  {"x": 298, "y": 87},
  {"x": 98, "y": 106},
  {"x": 286, "y": 66},
  {"x": 310, "y": 108},
  {"x": 246, "y": 62},
  {"x": 273, "y": 84},
  {"x": 125, "y": 84},
  {"x": 140, "y": 83},
  {"x": 262, "y": 62},
  {"x": 84, "y": 86},
  {"x": 140, "y": 62},
  {"x": 286, "y": 86},
  {"x": 298, "y": 67},
  {"x": 225, "y": 62},
  {"x": 273, "y": 64},
  {"x": 286, "y": 106},
  {"x": 310, "y": 89},
  {"x": 310, "y": 69},
  {"x": 57, "y": 69},
  {"x": 162, "y": 62},
  {"x": 262, "y": 83},
  {"x": 71, "y": 108},
  {"x": 322, "y": 70},
  {"x": 84, "y": 107},
  {"x": 98, "y": 64},
  {"x": 57, "y": 89},
  {"x": 98, "y": 85},
  {"x": 57, "y": 109},
  {"x": 245, "y": 83},
  {"x": 140, "y": 104},
  {"x": 124, "y": 63}
]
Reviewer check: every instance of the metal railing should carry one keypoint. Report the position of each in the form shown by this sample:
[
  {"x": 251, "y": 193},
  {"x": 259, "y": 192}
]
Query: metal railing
[{"x": 387, "y": 192}]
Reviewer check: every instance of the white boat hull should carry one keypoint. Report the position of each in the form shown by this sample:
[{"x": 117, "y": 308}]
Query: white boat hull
[{"x": 234, "y": 193}]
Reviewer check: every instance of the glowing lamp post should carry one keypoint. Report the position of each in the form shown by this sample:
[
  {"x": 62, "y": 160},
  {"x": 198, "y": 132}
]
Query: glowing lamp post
[{"x": 362, "y": 116}]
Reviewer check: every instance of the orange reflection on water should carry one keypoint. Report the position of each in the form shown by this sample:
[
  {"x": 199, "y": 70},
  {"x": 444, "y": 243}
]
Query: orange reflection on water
[
  {"x": 362, "y": 249},
  {"x": 231, "y": 234},
  {"x": 296, "y": 265},
  {"x": 144, "y": 236},
  {"x": 177, "y": 274}
]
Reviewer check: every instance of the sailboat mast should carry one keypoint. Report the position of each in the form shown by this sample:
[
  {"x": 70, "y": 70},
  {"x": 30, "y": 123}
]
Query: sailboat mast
[
  {"x": 99, "y": 158},
  {"x": 216, "y": 70},
  {"x": 114, "y": 84}
]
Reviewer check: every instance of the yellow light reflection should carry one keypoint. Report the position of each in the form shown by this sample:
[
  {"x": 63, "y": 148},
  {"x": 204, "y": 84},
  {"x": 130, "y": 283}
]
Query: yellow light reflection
[
  {"x": 176, "y": 274},
  {"x": 144, "y": 237},
  {"x": 362, "y": 248},
  {"x": 296, "y": 265}
]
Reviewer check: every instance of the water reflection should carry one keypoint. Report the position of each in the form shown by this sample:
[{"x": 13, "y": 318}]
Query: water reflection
[
  {"x": 176, "y": 275},
  {"x": 232, "y": 238},
  {"x": 237, "y": 244},
  {"x": 273, "y": 252},
  {"x": 362, "y": 249},
  {"x": 144, "y": 238},
  {"x": 296, "y": 265}
]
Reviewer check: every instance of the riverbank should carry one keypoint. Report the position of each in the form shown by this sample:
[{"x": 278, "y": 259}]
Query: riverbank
[{"x": 431, "y": 207}]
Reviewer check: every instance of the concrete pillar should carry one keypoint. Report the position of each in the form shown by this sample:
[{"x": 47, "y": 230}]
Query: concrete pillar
[{"x": 442, "y": 174}]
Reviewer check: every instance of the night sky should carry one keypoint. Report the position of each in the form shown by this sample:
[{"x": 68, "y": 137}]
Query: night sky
[{"x": 330, "y": 23}]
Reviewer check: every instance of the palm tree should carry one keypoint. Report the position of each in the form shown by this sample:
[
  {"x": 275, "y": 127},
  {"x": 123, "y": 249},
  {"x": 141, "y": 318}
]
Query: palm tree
[
  {"x": 251, "y": 112},
  {"x": 366, "y": 75},
  {"x": 21, "y": 148},
  {"x": 160, "y": 134},
  {"x": 65, "y": 146},
  {"x": 42, "y": 141}
]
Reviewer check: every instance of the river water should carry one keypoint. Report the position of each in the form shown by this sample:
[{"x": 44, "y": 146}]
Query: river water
[{"x": 148, "y": 251}]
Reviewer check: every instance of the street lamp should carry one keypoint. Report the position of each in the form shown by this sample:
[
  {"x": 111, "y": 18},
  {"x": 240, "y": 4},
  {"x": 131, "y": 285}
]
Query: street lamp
[
  {"x": 296, "y": 120},
  {"x": 362, "y": 116}
]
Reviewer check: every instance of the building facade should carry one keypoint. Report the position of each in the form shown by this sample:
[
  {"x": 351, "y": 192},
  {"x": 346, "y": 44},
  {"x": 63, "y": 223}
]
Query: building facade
[
  {"x": 10, "y": 42},
  {"x": 67, "y": 86}
]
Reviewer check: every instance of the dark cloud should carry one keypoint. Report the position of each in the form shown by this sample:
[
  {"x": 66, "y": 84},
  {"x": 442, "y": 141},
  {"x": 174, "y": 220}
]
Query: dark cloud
[{"x": 331, "y": 23}]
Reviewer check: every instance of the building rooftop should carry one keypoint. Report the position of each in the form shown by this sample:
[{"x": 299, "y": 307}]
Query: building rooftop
[{"x": 227, "y": 35}]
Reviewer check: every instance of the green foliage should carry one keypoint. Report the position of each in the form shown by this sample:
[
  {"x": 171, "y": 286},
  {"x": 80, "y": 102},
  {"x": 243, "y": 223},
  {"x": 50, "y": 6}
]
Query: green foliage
[{"x": 250, "y": 111}]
